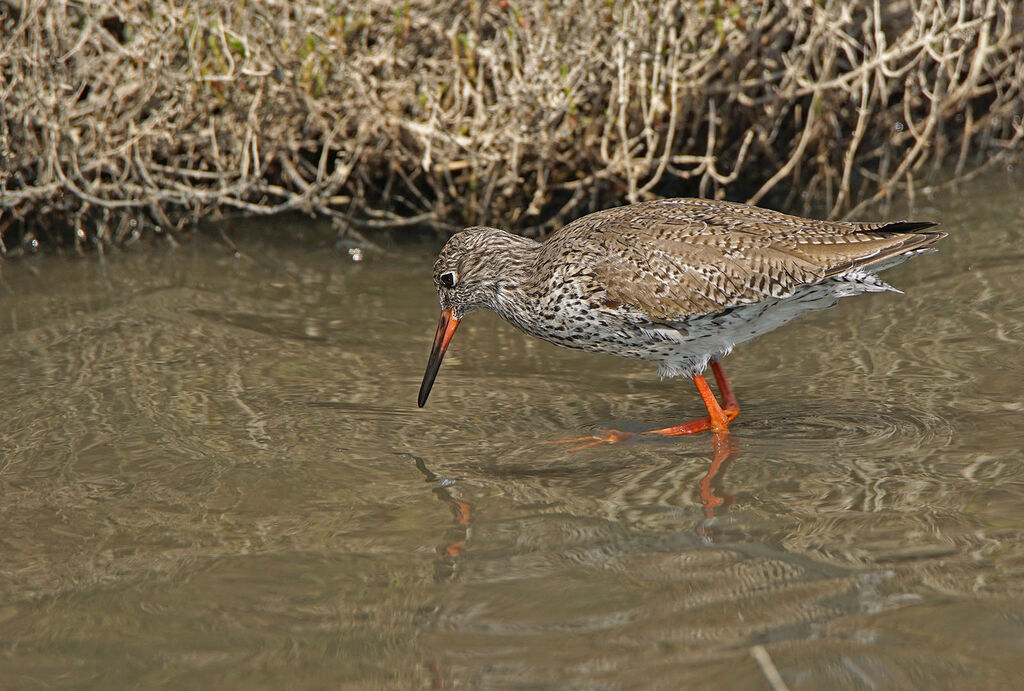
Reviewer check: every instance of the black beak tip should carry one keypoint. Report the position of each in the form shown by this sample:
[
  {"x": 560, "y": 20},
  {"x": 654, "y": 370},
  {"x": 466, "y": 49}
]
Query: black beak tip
[
  {"x": 445, "y": 328},
  {"x": 425, "y": 388}
]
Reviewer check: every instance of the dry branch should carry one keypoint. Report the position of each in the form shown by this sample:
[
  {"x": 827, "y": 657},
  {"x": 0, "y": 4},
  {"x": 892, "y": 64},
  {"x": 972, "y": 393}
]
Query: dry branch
[{"x": 520, "y": 114}]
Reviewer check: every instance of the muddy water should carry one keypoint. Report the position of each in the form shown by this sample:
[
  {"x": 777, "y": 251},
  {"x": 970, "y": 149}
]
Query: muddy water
[{"x": 213, "y": 474}]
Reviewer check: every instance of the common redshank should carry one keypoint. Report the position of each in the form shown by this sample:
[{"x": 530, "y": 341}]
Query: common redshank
[{"x": 678, "y": 282}]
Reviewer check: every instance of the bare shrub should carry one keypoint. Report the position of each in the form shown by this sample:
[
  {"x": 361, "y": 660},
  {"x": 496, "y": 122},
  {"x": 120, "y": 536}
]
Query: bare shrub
[{"x": 118, "y": 116}]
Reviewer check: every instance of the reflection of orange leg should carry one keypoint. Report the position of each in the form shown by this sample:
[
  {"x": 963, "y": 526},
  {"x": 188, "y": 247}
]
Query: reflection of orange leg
[
  {"x": 437, "y": 676},
  {"x": 463, "y": 513},
  {"x": 722, "y": 457},
  {"x": 453, "y": 549}
]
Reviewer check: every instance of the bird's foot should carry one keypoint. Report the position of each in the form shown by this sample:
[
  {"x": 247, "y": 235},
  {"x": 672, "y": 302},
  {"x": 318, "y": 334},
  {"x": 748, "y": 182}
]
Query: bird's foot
[
  {"x": 609, "y": 436},
  {"x": 697, "y": 426}
]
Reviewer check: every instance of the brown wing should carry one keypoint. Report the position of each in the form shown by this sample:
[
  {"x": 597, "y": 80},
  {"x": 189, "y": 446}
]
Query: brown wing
[{"x": 671, "y": 259}]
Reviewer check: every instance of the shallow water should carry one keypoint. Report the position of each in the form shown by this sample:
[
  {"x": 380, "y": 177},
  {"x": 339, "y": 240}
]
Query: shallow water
[{"x": 213, "y": 474}]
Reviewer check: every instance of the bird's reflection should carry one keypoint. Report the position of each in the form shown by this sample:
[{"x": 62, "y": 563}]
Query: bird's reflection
[
  {"x": 456, "y": 536},
  {"x": 713, "y": 498}
]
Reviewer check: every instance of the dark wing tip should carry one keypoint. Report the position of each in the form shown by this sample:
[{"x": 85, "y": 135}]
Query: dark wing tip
[
  {"x": 907, "y": 227},
  {"x": 913, "y": 241}
]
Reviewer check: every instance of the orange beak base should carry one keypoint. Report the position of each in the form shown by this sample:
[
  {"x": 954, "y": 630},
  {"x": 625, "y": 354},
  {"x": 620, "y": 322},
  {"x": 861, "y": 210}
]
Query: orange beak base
[{"x": 445, "y": 330}]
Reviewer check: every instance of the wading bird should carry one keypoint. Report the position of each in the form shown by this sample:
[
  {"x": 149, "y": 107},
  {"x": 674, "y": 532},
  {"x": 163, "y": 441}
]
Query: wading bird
[{"x": 678, "y": 282}]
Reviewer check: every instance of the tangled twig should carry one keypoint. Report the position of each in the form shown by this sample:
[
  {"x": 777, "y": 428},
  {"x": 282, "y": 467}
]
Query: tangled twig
[{"x": 518, "y": 114}]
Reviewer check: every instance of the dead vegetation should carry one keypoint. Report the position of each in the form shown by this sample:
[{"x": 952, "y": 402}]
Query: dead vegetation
[{"x": 120, "y": 117}]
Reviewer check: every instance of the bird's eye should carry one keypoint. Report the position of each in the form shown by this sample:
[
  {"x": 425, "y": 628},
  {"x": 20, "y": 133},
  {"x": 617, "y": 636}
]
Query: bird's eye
[{"x": 448, "y": 279}]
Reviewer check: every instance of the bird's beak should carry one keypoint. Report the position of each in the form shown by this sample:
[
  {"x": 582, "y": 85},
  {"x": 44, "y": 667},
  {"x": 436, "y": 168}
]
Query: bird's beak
[{"x": 445, "y": 330}]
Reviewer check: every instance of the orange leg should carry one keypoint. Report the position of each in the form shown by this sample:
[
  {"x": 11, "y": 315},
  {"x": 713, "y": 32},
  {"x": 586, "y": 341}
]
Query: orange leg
[
  {"x": 717, "y": 421},
  {"x": 728, "y": 397},
  {"x": 609, "y": 436},
  {"x": 718, "y": 418}
]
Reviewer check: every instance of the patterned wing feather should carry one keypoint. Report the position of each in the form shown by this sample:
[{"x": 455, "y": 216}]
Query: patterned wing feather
[{"x": 673, "y": 259}]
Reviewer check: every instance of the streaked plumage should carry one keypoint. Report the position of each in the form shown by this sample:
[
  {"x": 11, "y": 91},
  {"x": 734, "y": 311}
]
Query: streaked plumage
[{"x": 676, "y": 281}]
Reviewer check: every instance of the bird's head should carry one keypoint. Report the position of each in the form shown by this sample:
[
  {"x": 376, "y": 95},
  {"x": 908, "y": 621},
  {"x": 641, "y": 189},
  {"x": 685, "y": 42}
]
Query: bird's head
[{"x": 473, "y": 268}]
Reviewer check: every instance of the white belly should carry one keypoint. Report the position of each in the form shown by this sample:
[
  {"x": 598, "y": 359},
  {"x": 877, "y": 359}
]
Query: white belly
[{"x": 713, "y": 336}]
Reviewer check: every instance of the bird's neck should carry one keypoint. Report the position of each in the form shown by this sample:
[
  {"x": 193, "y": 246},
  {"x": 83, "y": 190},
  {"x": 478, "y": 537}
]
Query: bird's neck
[{"x": 515, "y": 290}]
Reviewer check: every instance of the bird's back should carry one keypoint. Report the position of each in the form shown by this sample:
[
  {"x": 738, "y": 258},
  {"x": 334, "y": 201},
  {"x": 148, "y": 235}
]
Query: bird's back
[{"x": 674, "y": 259}]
